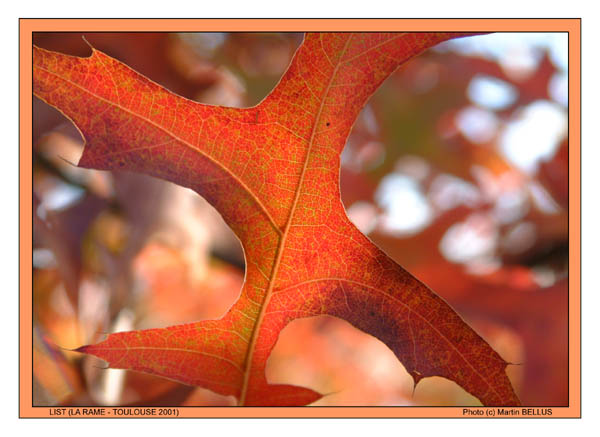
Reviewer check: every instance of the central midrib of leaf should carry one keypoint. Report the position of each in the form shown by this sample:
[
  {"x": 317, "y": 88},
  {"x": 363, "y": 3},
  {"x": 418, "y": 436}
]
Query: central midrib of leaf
[{"x": 283, "y": 238}]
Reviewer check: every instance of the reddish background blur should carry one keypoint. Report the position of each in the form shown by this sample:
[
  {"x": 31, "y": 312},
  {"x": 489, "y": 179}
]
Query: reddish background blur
[{"x": 457, "y": 168}]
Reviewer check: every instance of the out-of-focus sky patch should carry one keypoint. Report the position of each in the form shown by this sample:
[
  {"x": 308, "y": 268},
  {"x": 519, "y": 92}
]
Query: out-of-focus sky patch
[
  {"x": 204, "y": 43},
  {"x": 62, "y": 196},
  {"x": 559, "y": 88},
  {"x": 477, "y": 124},
  {"x": 511, "y": 205},
  {"x": 542, "y": 199},
  {"x": 469, "y": 240},
  {"x": 407, "y": 210},
  {"x": 513, "y": 49},
  {"x": 448, "y": 192},
  {"x": 491, "y": 92},
  {"x": 43, "y": 258},
  {"x": 55, "y": 194},
  {"x": 534, "y": 135},
  {"x": 363, "y": 215}
]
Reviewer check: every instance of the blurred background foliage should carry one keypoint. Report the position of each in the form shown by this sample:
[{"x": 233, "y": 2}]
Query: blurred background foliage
[{"x": 457, "y": 167}]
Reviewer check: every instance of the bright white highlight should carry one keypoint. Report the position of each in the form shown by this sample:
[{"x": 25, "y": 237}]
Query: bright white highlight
[{"x": 406, "y": 208}]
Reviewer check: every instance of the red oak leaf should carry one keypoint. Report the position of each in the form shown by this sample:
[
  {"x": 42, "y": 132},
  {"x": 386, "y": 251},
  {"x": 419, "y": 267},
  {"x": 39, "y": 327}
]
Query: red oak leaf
[{"x": 272, "y": 171}]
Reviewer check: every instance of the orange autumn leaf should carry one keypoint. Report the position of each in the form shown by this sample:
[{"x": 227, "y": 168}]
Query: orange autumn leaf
[{"x": 272, "y": 171}]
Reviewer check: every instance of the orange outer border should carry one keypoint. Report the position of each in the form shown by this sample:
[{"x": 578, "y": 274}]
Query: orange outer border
[{"x": 570, "y": 25}]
